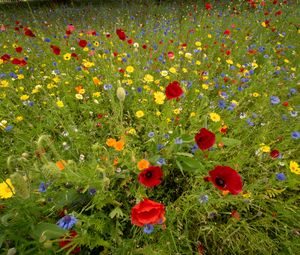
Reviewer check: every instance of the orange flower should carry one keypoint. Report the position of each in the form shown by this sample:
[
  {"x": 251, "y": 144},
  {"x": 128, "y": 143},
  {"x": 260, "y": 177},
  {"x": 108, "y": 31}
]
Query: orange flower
[
  {"x": 96, "y": 81},
  {"x": 61, "y": 164},
  {"x": 143, "y": 164},
  {"x": 119, "y": 145},
  {"x": 116, "y": 161},
  {"x": 78, "y": 88},
  {"x": 110, "y": 142}
]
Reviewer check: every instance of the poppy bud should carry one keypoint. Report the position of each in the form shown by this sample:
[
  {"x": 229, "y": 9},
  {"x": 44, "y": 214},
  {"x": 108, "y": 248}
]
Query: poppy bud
[{"x": 121, "y": 94}]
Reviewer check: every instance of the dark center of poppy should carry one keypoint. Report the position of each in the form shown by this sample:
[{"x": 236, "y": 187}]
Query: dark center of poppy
[
  {"x": 220, "y": 182},
  {"x": 149, "y": 174}
]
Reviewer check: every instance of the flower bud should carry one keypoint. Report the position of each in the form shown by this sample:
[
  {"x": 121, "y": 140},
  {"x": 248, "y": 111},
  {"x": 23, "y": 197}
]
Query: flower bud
[{"x": 121, "y": 94}]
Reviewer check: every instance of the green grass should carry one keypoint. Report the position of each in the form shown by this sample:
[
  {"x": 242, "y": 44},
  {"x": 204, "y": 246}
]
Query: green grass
[{"x": 268, "y": 208}]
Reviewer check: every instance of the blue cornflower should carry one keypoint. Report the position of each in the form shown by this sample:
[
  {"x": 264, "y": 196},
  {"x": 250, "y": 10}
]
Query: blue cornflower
[
  {"x": 151, "y": 134},
  {"x": 148, "y": 228},
  {"x": 67, "y": 222},
  {"x": 47, "y": 40},
  {"x": 161, "y": 161},
  {"x": 92, "y": 191},
  {"x": 160, "y": 146},
  {"x": 178, "y": 140},
  {"x": 194, "y": 148},
  {"x": 293, "y": 91},
  {"x": 295, "y": 135},
  {"x": 107, "y": 86},
  {"x": 203, "y": 199},
  {"x": 250, "y": 123},
  {"x": 167, "y": 136},
  {"x": 274, "y": 100},
  {"x": 280, "y": 177},
  {"x": 43, "y": 187},
  {"x": 8, "y": 128},
  {"x": 294, "y": 113},
  {"x": 139, "y": 89}
]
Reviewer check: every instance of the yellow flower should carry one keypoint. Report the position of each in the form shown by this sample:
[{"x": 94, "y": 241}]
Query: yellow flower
[
  {"x": 79, "y": 96},
  {"x": 177, "y": 111},
  {"x": 96, "y": 44},
  {"x": 19, "y": 118},
  {"x": 204, "y": 86},
  {"x": 164, "y": 73},
  {"x": 24, "y": 97},
  {"x": 96, "y": 94},
  {"x": 129, "y": 69},
  {"x": 159, "y": 97},
  {"x": 215, "y": 117},
  {"x": 192, "y": 114},
  {"x": 198, "y": 44},
  {"x": 20, "y": 76},
  {"x": 60, "y": 104},
  {"x": 6, "y": 189},
  {"x": 255, "y": 94},
  {"x": 188, "y": 55},
  {"x": 139, "y": 114},
  {"x": 132, "y": 131},
  {"x": 265, "y": 148},
  {"x": 172, "y": 70},
  {"x": 209, "y": 35},
  {"x": 198, "y": 63},
  {"x": 4, "y": 84},
  {"x": 158, "y": 113},
  {"x": 96, "y": 81},
  {"x": 67, "y": 56},
  {"x": 148, "y": 78},
  {"x": 294, "y": 167},
  {"x": 229, "y": 61},
  {"x": 184, "y": 70}
]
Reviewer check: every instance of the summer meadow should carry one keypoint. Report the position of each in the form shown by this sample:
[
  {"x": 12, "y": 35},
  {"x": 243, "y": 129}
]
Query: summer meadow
[{"x": 150, "y": 127}]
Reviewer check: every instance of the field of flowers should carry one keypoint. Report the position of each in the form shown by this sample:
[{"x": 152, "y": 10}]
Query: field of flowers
[{"x": 145, "y": 127}]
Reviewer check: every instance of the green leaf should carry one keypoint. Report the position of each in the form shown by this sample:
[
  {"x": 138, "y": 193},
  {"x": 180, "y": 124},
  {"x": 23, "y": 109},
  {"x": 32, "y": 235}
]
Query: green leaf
[
  {"x": 117, "y": 212},
  {"x": 230, "y": 141},
  {"x": 47, "y": 231},
  {"x": 190, "y": 155},
  {"x": 188, "y": 163}
]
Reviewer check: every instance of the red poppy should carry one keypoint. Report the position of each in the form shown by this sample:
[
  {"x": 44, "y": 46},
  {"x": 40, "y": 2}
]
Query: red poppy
[
  {"x": 173, "y": 90},
  {"x": 5, "y": 57},
  {"x": 208, "y": 6},
  {"x": 274, "y": 153},
  {"x": 121, "y": 34},
  {"x": 130, "y": 41},
  {"x": 144, "y": 46},
  {"x": 227, "y": 32},
  {"x": 67, "y": 240},
  {"x": 28, "y": 32},
  {"x": 19, "y": 49},
  {"x": 82, "y": 43},
  {"x": 278, "y": 13},
  {"x": 147, "y": 212},
  {"x": 226, "y": 179},
  {"x": 205, "y": 139},
  {"x": 151, "y": 176},
  {"x": 20, "y": 62},
  {"x": 55, "y": 49}
]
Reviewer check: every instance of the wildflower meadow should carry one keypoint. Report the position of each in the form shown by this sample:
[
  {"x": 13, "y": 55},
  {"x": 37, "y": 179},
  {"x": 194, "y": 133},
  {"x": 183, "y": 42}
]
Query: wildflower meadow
[{"x": 150, "y": 127}]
